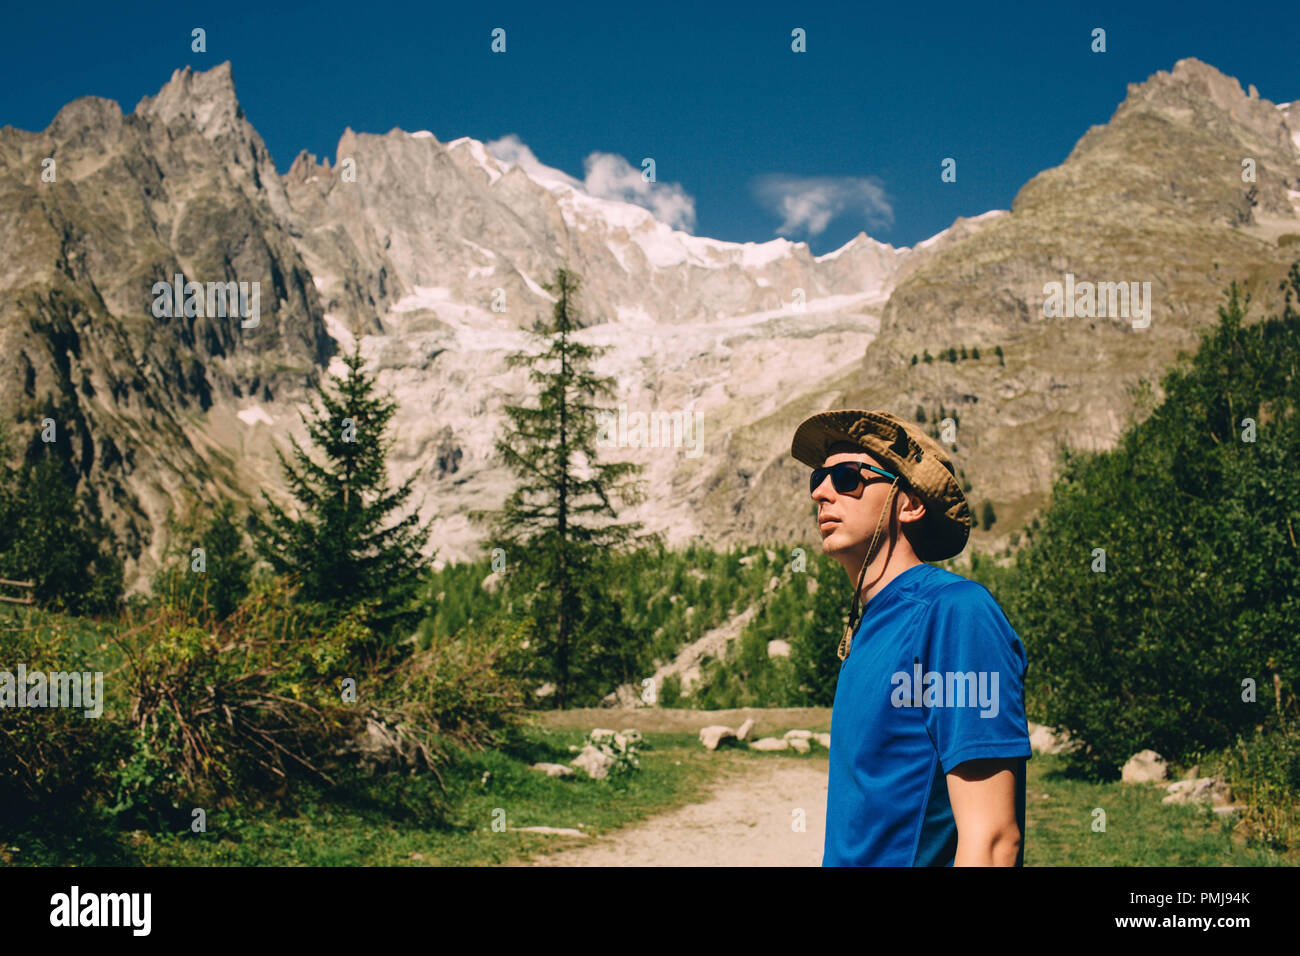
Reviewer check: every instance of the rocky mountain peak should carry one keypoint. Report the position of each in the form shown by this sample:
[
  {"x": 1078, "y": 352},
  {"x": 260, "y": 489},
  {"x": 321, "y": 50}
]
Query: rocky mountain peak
[
  {"x": 86, "y": 115},
  {"x": 205, "y": 99},
  {"x": 1196, "y": 92}
]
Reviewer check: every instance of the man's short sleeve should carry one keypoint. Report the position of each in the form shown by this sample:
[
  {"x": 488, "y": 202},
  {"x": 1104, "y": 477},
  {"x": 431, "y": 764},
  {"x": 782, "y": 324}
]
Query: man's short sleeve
[{"x": 972, "y": 666}]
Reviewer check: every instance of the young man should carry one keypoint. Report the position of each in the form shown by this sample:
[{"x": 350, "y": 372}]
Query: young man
[{"x": 928, "y": 732}]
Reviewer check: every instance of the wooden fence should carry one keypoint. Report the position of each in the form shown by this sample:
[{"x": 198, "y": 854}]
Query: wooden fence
[{"x": 25, "y": 599}]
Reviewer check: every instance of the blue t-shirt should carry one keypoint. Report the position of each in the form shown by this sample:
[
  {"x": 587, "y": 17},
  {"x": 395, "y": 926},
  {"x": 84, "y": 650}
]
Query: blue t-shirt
[{"x": 934, "y": 677}]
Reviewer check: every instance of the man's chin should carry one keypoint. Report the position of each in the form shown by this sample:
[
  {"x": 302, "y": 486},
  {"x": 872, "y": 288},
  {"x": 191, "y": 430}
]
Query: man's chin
[{"x": 834, "y": 542}]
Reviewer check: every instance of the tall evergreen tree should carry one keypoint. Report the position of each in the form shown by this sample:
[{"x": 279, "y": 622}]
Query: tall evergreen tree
[
  {"x": 54, "y": 539},
  {"x": 550, "y": 524},
  {"x": 344, "y": 545}
]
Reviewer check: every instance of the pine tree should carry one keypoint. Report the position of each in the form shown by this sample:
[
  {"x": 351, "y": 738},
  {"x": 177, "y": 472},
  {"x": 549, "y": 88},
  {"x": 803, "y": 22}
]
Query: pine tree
[
  {"x": 545, "y": 523},
  {"x": 987, "y": 514},
  {"x": 49, "y": 536},
  {"x": 975, "y": 353},
  {"x": 344, "y": 546},
  {"x": 214, "y": 586}
]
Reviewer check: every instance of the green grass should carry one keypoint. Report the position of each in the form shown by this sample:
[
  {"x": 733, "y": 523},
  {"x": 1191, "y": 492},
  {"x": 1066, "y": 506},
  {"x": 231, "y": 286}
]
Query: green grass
[
  {"x": 1140, "y": 830},
  {"x": 388, "y": 821}
]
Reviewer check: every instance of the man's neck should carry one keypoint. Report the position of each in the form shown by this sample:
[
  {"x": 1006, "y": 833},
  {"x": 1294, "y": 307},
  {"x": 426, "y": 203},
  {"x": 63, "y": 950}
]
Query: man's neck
[{"x": 900, "y": 561}]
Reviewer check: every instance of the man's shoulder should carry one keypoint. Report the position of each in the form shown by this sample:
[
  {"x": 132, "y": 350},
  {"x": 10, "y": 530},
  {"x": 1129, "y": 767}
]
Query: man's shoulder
[
  {"x": 940, "y": 586},
  {"x": 949, "y": 600}
]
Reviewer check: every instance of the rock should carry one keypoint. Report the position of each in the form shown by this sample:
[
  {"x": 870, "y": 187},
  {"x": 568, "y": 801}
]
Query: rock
[
  {"x": 555, "y": 831},
  {"x": 773, "y": 583},
  {"x": 1210, "y": 790},
  {"x": 631, "y": 734},
  {"x": 778, "y": 648},
  {"x": 745, "y": 729},
  {"x": 770, "y": 743},
  {"x": 553, "y": 769},
  {"x": 747, "y": 560},
  {"x": 625, "y": 696},
  {"x": 770, "y": 555},
  {"x": 546, "y": 690},
  {"x": 378, "y": 748},
  {"x": 1145, "y": 767},
  {"x": 492, "y": 583},
  {"x": 1044, "y": 740},
  {"x": 713, "y": 735},
  {"x": 800, "y": 744},
  {"x": 823, "y": 739},
  {"x": 1192, "y": 772},
  {"x": 812, "y": 584},
  {"x": 801, "y": 734},
  {"x": 593, "y": 762}
]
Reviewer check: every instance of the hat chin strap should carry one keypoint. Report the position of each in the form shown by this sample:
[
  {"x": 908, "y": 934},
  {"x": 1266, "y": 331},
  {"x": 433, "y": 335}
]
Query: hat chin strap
[{"x": 847, "y": 639}]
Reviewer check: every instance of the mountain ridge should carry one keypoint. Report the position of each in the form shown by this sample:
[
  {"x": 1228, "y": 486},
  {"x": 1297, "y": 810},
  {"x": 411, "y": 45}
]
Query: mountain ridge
[{"x": 435, "y": 254}]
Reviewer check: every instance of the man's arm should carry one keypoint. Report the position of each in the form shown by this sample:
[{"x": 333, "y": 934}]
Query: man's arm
[{"x": 983, "y": 798}]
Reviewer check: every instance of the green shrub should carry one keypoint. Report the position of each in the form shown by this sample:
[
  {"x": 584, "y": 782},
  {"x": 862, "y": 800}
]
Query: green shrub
[
  {"x": 1264, "y": 773},
  {"x": 670, "y": 694},
  {"x": 1201, "y": 587},
  {"x": 50, "y": 757}
]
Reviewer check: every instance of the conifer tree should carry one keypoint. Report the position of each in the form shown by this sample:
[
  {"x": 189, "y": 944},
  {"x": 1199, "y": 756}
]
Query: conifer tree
[
  {"x": 212, "y": 580},
  {"x": 558, "y": 519},
  {"x": 51, "y": 537},
  {"x": 346, "y": 544}
]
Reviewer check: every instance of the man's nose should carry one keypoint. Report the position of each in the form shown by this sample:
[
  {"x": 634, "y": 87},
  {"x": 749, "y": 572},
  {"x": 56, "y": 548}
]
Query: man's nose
[{"x": 825, "y": 491}]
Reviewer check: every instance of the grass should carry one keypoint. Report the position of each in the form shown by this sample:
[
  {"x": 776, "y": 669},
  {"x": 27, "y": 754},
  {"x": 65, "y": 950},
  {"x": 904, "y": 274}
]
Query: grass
[
  {"x": 1140, "y": 830},
  {"x": 388, "y": 821}
]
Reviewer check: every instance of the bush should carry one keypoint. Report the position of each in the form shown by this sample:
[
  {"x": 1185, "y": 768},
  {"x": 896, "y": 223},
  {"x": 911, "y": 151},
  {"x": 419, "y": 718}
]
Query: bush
[
  {"x": 670, "y": 694},
  {"x": 1201, "y": 587},
  {"x": 51, "y": 757},
  {"x": 1264, "y": 772}
]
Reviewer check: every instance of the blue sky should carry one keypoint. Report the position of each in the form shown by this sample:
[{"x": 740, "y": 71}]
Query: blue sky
[{"x": 750, "y": 140}]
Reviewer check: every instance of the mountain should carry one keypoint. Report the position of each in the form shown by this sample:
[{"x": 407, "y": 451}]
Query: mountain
[
  {"x": 182, "y": 185},
  {"x": 435, "y": 254},
  {"x": 1155, "y": 195}
]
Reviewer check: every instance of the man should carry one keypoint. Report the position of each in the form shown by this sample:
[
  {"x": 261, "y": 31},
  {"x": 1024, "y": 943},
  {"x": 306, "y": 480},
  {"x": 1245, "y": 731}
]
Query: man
[{"x": 928, "y": 732}]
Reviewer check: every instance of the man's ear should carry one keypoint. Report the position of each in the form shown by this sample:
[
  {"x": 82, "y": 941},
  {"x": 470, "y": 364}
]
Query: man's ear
[{"x": 914, "y": 501}]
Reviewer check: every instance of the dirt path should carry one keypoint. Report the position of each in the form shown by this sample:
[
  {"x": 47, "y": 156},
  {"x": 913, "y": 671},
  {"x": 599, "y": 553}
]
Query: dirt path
[{"x": 747, "y": 820}]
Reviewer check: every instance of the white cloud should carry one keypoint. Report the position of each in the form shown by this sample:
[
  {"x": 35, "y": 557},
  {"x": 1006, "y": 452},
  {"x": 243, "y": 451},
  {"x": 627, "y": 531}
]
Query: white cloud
[
  {"x": 607, "y": 176},
  {"x": 511, "y": 149},
  {"x": 808, "y": 203},
  {"x": 610, "y": 176}
]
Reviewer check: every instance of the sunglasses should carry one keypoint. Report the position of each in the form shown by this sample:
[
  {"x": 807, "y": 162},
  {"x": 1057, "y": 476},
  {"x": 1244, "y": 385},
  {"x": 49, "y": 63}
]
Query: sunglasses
[{"x": 845, "y": 476}]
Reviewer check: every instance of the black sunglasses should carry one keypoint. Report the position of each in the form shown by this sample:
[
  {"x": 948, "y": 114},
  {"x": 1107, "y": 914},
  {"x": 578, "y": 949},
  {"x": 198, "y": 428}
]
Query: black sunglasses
[{"x": 845, "y": 476}]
